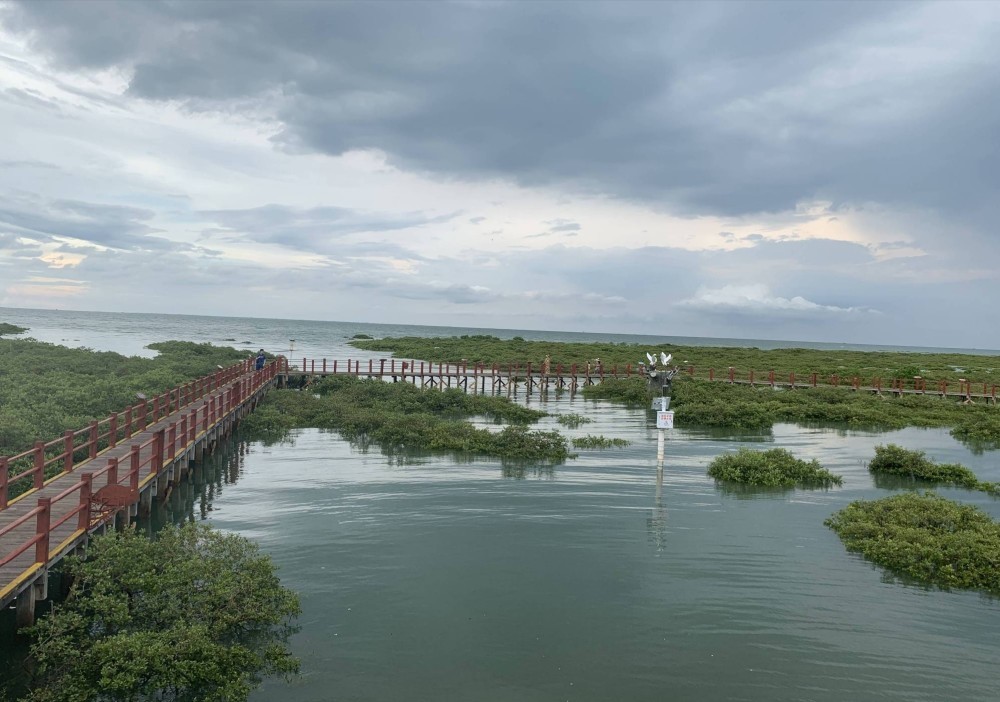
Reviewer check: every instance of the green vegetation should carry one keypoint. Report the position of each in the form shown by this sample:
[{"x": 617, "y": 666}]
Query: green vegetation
[
  {"x": 192, "y": 615},
  {"x": 924, "y": 537},
  {"x": 700, "y": 403},
  {"x": 717, "y": 404},
  {"x": 573, "y": 420},
  {"x": 772, "y": 468},
  {"x": 9, "y": 329},
  {"x": 598, "y": 442},
  {"x": 400, "y": 416},
  {"x": 46, "y": 389},
  {"x": 866, "y": 364},
  {"x": 362, "y": 336},
  {"x": 905, "y": 463},
  {"x": 629, "y": 391}
]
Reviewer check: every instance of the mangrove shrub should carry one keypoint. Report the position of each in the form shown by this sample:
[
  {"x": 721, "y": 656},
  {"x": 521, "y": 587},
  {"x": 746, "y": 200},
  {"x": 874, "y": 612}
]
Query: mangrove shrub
[
  {"x": 194, "y": 614},
  {"x": 400, "y": 416},
  {"x": 924, "y": 537},
  {"x": 771, "y": 468},
  {"x": 46, "y": 389},
  {"x": 898, "y": 461},
  {"x": 599, "y": 442}
]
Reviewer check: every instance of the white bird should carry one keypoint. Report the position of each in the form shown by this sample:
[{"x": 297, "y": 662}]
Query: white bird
[
  {"x": 650, "y": 356},
  {"x": 665, "y": 358}
]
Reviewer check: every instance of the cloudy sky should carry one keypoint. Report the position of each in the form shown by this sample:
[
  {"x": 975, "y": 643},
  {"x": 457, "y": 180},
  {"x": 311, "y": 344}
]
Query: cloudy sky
[{"x": 771, "y": 170}]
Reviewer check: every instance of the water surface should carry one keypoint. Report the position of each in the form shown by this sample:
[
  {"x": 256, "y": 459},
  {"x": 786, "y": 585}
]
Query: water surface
[{"x": 433, "y": 578}]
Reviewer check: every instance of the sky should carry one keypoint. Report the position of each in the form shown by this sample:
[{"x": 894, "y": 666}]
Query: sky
[{"x": 791, "y": 170}]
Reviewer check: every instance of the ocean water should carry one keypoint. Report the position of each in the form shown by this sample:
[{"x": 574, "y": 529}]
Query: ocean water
[
  {"x": 130, "y": 333},
  {"x": 445, "y": 578}
]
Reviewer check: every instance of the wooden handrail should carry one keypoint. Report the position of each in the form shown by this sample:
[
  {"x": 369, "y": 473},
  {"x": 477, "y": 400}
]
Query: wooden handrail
[
  {"x": 45, "y": 527},
  {"x": 136, "y": 417}
]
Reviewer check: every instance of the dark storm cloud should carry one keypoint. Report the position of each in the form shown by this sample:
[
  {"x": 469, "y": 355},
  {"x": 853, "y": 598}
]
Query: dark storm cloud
[{"x": 711, "y": 107}]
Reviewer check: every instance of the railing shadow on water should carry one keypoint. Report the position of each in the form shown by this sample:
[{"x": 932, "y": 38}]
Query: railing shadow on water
[{"x": 193, "y": 498}]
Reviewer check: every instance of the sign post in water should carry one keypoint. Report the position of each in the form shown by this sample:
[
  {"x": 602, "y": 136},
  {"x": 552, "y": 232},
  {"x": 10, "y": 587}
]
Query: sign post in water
[{"x": 660, "y": 379}]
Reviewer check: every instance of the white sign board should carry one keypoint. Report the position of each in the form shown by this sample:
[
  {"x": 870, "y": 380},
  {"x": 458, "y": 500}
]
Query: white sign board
[{"x": 665, "y": 420}]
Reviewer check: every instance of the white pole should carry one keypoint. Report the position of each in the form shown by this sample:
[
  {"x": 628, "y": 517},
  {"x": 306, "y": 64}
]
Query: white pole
[{"x": 659, "y": 448}]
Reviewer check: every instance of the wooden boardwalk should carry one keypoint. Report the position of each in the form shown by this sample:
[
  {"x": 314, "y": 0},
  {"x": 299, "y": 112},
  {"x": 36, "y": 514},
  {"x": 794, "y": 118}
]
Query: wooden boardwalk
[
  {"x": 109, "y": 471},
  {"x": 499, "y": 377}
]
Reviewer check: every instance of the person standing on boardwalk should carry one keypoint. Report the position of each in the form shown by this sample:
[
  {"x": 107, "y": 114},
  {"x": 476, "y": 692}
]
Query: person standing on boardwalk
[
  {"x": 546, "y": 365},
  {"x": 261, "y": 359}
]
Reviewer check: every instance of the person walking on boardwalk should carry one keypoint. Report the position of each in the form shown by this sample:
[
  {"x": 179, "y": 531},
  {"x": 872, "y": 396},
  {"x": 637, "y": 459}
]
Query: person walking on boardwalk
[
  {"x": 261, "y": 359},
  {"x": 546, "y": 365}
]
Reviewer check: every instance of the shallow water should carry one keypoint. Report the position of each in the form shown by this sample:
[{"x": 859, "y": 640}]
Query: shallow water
[{"x": 439, "y": 579}]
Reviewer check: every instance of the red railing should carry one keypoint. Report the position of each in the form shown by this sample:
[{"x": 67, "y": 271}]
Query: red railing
[
  {"x": 416, "y": 369},
  {"x": 47, "y": 460},
  {"x": 404, "y": 368},
  {"x": 148, "y": 457}
]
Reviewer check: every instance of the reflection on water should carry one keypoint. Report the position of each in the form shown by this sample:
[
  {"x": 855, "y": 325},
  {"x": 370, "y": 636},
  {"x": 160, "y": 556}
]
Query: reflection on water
[
  {"x": 657, "y": 522},
  {"x": 194, "y": 498}
]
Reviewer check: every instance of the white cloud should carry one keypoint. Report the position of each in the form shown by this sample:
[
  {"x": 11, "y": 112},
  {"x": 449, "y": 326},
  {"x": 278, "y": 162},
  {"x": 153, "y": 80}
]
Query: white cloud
[{"x": 757, "y": 299}]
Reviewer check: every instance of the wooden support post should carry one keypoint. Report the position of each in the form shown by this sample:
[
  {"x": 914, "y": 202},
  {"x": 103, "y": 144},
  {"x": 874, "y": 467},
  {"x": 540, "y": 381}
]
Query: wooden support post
[
  {"x": 113, "y": 431},
  {"x": 732, "y": 374},
  {"x": 4, "y": 477},
  {"x": 157, "y": 460},
  {"x": 25, "y": 615},
  {"x": 133, "y": 469},
  {"x": 42, "y": 523},
  {"x": 68, "y": 449},
  {"x": 86, "y": 490},
  {"x": 711, "y": 374}
]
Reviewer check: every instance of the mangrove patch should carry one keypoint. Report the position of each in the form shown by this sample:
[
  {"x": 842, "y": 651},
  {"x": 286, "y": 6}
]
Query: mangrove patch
[
  {"x": 772, "y": 468},
  {"x": 905, "y": 463},
  {"x": 926, "y": 538},
  {"x": 399, "y": 416},
  {"x": 599, "y": 442}
]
